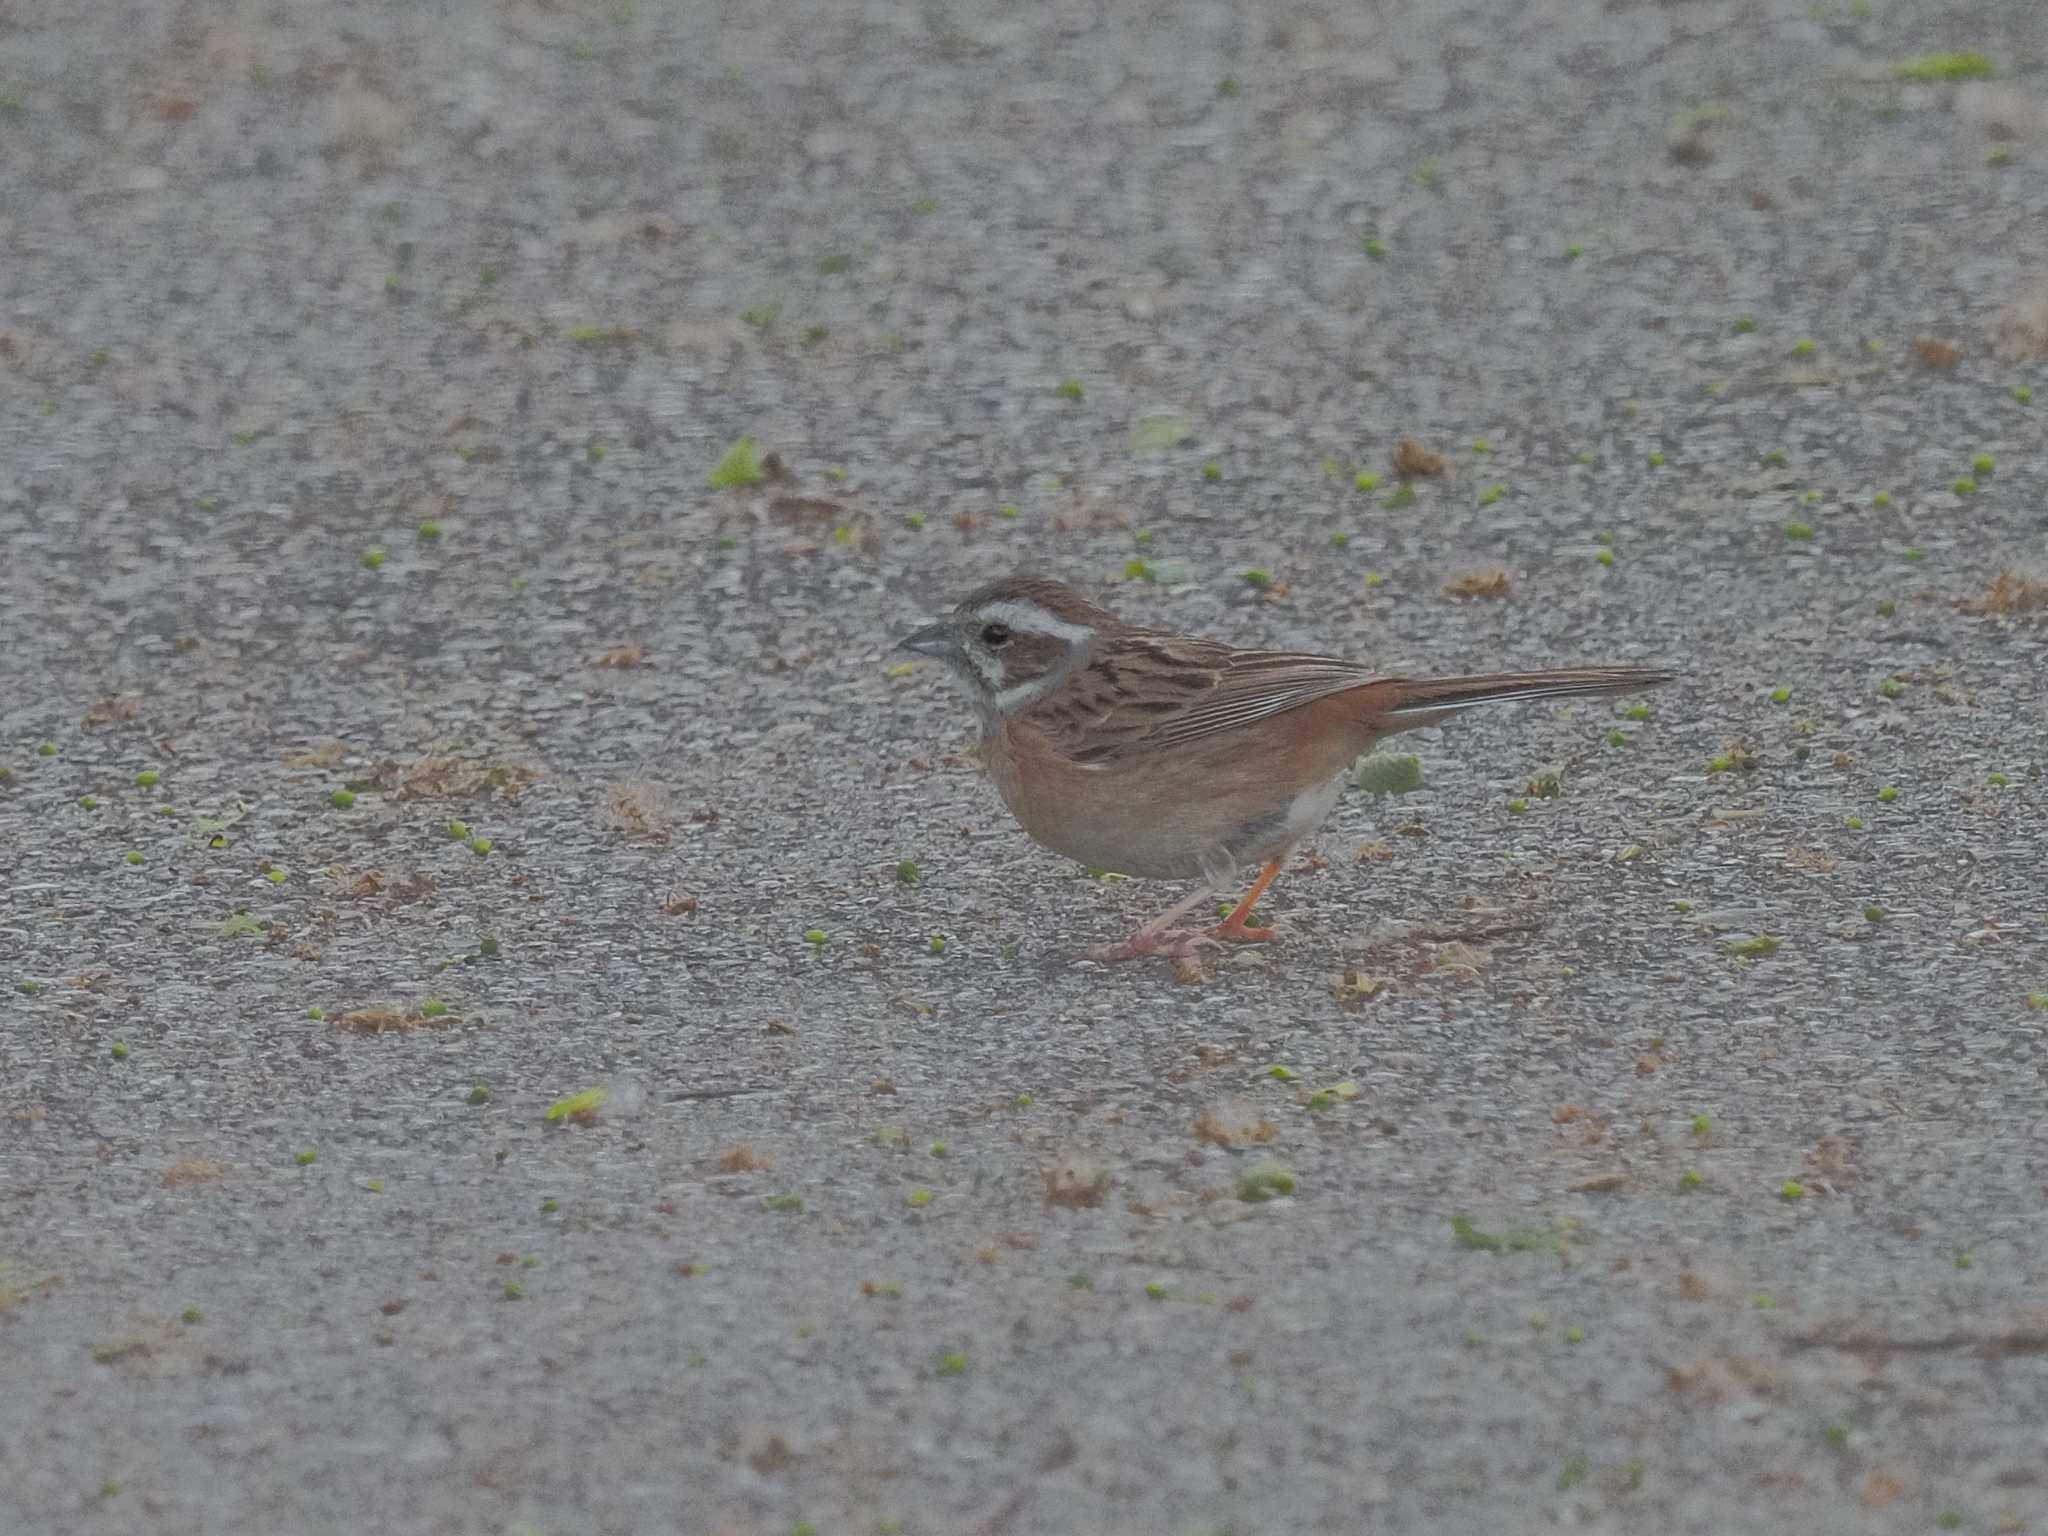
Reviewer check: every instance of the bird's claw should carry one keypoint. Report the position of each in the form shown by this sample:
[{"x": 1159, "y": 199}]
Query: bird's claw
[
  {"x": 1240, "y": 934},
  {"x": 1168, "y": 943}
]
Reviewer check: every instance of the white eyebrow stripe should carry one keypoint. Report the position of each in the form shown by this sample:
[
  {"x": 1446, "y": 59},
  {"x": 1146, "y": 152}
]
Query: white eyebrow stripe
[{"x": 1033, "y": 620}]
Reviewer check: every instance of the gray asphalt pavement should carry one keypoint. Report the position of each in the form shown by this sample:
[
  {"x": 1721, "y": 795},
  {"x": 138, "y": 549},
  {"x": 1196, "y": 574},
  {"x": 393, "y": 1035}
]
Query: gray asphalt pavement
[{"x": 401, "y": 736}]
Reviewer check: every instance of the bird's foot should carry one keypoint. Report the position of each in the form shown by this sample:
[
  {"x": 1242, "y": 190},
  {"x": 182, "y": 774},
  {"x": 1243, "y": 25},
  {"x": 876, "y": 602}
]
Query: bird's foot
[
  {"x": 1167, "y": 943},
  {"x": 1233, "y": 931}
]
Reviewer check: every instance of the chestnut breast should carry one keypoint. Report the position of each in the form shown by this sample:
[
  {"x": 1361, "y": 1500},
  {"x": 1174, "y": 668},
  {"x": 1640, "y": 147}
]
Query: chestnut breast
[{"x": 1198, "y": 809}]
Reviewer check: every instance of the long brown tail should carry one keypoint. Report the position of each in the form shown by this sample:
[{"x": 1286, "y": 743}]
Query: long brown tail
[{"x": 1420, "y": 701}]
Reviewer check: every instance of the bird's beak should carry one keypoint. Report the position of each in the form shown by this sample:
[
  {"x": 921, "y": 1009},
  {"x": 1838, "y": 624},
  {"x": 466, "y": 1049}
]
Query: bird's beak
[{"x": 933, "y": 640}]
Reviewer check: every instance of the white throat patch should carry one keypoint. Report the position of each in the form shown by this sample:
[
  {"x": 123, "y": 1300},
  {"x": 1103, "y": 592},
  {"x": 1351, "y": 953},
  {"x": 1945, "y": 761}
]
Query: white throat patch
[{"x": 1009, "y": 700}]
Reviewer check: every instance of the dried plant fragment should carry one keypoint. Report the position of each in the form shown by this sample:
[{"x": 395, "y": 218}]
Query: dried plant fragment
[
  {"x": 1936, "y": 352},
  {"x": 1232, "y": 1123},
  {"x": 1076, "y": 1183},
  {"x": 2011, "y": 592},
  {"x": 1487, "y": 583},
  {"x": 1412, "y": 460}
]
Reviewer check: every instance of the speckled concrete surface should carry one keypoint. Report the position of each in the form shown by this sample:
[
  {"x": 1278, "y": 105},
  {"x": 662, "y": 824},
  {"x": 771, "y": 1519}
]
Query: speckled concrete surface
[{"x": 875, "y": 1234}]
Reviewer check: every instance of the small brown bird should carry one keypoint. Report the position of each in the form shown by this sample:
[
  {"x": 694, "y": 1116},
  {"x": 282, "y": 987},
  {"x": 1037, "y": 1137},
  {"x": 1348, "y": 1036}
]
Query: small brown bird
[{"x": 1170, "y": 758}]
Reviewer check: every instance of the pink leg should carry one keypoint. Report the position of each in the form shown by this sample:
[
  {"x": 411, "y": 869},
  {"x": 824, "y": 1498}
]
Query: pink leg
[{"x": 1160, "y": 937}]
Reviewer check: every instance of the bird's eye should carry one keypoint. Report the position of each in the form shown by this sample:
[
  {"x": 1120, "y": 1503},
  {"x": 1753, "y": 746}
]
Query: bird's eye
[{"x": 995, "y": 634}]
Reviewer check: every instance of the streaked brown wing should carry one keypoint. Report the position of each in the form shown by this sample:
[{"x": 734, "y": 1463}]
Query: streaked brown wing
[
  {"x": 1152, "y": 691},
  {"x": 1255, "y": 685}
]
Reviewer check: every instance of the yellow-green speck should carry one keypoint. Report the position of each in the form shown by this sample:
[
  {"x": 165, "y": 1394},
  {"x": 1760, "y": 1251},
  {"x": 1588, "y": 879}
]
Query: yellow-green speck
[
  {"x": 1265, "y": 1181},
  {"x": 583, "y": 1103},
  {"x": 737, "y": 466},
  {"x": 1933, "y": 67}
]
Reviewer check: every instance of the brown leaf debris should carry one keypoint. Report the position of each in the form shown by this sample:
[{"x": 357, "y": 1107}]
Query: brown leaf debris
[
  {"x": 1412, "y": 460},
  {"x": 2011, "y": 592},
  {"x": 1937, "y": 353},
  {"x": 115, "y": 709},
  {"x": 388, "y": 1021},
  {"x": 641, "y": 808},
  {"x": 1232, "y": 1123},
  {"x": 193, "y": 1170},
  {"x": 1492, "y": 582},
  {"x": 2020, "y": 333},
  {"x": 744, "y": 1157},
  {"x": 1076, "y": 1182},
  {"x": 438, "y": 776}
]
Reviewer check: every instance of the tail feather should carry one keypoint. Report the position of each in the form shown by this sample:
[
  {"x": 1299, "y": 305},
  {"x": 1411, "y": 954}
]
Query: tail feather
[{"x": 1417, "y": 701}]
